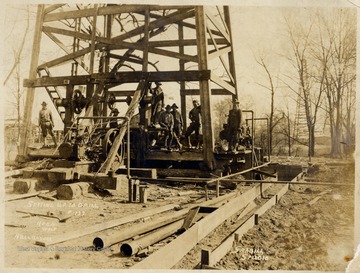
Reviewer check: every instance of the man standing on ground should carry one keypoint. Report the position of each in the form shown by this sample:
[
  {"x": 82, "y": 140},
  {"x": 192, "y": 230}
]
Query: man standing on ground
[
  {"x": 46, "y": 123},
  {"x": 194, "y": 116}
]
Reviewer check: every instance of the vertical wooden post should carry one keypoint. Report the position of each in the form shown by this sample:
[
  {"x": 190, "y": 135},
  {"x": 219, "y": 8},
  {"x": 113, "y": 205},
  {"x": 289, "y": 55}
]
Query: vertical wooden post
[
  {"x": 182, "y": 83},
  {"x": 93, "y": 36},
  {"x": 146, "y": 41},
  {"x": 68, "y": 111},
  {"x": 231, "y": 53},
  {"x": 205, "y": 94},
  {"x": 206, "y": 193},
  {"x": 217, "y": 188},
  {"x": 26, "y": 130}
]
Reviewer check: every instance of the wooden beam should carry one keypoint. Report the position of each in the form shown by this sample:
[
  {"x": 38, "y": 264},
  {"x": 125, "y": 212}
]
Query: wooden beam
[
  {"x": 224, "y": 84},
  {"x": 67, "y": 50},
  {"x": 24, "y": 196},
  {"x": 172, "y": 253},
  {"x": 120, "y": 77},
  {"x": 107, "y": 165},
  {"x": 30, "y": 95},
  {"x": 185, "y": 42},
  {"x": 213, "y": 257},
  {"x": 221, "y": 56},
  {"x": 161, "y": 22},
  {"x": 185, "y": 24},
  {"x": 52, "y": 8},
  {"x": 65, "y": 58},
  {"x": 205, "y": 95},
  {"x": 231, "y": 55},
  {"x": 105, "y": 225},
  {"x": 213, "y": 54},
  {"x": 108, "y": 10},
  {"x": 194, "y": 92},
  {"x": 93, "y": 36},
  {"x": 218, "y": 26}
]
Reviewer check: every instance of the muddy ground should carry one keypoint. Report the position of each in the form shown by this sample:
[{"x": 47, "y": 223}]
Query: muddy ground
[{"x": 292, "y": 235}]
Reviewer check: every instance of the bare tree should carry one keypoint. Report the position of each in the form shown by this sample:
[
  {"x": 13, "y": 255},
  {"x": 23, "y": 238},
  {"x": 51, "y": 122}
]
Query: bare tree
[
  {"x": 272, "y": 88},
  {"x": 336, "y": 52},
  {"x": 307, "y": 89}
]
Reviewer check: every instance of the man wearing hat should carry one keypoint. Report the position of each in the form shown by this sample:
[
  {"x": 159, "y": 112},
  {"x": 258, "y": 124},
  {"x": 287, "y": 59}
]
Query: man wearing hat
[
  {"x": 46, "y": 123},
  {"x": 178, "y": 124},
  {"x": 194, "y": 116},
  {"x": 234, "y": 125},
  {"x": 167, "y": 122},
  {"x": 157, "y": 102}
]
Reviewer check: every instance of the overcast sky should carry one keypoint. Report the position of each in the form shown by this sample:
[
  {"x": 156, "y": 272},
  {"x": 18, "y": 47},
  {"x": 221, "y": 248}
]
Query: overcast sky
[{"x": 258, "y": 30}]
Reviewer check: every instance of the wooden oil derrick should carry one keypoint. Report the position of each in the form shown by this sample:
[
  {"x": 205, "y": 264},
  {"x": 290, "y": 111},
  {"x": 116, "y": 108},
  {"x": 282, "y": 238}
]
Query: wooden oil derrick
[{"x": 105, "y": 48}]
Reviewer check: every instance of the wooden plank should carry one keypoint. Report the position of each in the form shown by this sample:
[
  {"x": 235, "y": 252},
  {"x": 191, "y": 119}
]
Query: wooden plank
[
  {"x": 218, "y": 253},
  {"x": 14, "y": 172},
  {"x": 264, "y": 173},
  {"x": 24, "y": 196},
  {"x": 66, "y": 49},
  {"x": 158, "y": 23},
  {"x": 221, "y": 53},
  {"x": 172, "y": 54},
  {"x": 220, "y": 82},
  {"x": 172, "y": 253},
  {"x": 225, "y": 246},
  {"x": 65, "y": 58},
  {"x": 218, "y": 53},
  {"x": 214, "y": 21},
  {"x": 52, "y": 8},
  {"x": 184, "y": 42},
  {"x": 107, "y": 165},
  {"x": 105, "y": 225},
  {"x": 107, "y": 11}
]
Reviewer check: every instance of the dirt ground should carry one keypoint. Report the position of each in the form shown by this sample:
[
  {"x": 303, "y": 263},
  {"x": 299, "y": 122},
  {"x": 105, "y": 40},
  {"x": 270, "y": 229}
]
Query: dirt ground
[{"x": 293, "y": 235}]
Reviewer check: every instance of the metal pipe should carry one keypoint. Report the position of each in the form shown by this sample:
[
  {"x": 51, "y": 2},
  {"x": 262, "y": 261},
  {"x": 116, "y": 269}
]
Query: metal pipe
[
  {"x": 103, "y": 241},
  {"x": 268, "y": 130},
  {"x": 252, "y": 135},
  {"x": 132, "y": 247}
]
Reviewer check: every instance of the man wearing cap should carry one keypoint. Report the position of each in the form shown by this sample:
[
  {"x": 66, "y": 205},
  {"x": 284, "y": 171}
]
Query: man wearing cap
[
  {"x": 194, "y": 116},
  {"x": 46, "y": 123},
  {"x": 178, "y": 124},
  {"x": 167, "y": 121},
  {"x": 234, "y": 125},
  {"x": 157, "y": 102}
]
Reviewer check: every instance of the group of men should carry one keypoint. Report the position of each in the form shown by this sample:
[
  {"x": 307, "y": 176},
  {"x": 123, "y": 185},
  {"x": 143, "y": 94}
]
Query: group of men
[{"x": 171, "y": 120}]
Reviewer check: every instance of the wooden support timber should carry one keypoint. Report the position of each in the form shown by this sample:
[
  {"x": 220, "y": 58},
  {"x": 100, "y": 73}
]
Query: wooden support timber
[
  {"x": 169, "y": 255},
  {"x": 210, "y": 258}
]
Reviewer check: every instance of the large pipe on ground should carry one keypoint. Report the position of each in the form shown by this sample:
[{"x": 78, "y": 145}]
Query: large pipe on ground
[
  {"x": 103, "y": 241},
  {"x": 132, "y": 247}
]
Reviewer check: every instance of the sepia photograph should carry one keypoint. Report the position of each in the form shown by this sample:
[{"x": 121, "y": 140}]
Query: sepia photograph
[{"x": 181, "y": 135}]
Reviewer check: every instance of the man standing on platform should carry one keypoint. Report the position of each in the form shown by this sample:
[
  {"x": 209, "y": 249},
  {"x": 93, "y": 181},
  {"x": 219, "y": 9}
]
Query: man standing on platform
[
  {"x": 167, "y": 122},
  {"x": 178, "y": 124},
  {"x": 194, "y": 116},
  {"x": 46, "y": 123}
]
